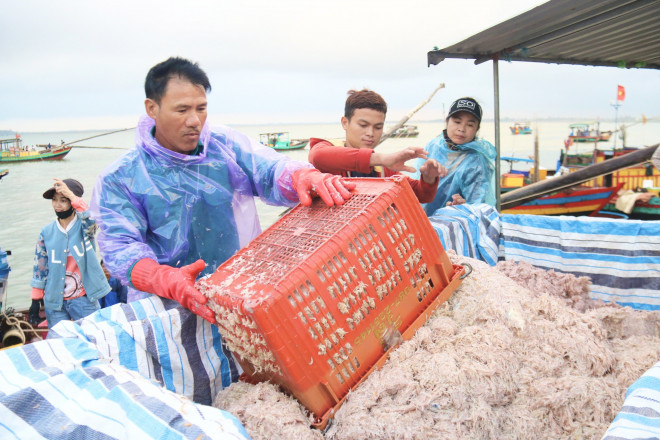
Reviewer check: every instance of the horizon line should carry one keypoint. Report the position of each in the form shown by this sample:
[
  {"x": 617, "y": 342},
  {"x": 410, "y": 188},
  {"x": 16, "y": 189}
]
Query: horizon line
[{"x": 411, "y": 122}]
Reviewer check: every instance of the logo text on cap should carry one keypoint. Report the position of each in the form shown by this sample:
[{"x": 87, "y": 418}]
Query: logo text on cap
[{"x": 465, "y": 103}]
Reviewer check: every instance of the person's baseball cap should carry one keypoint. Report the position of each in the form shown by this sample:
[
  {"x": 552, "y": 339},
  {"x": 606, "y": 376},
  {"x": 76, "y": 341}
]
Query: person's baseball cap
[
  {"x": 466, "y": 105},
  {"x": 75, "y": 187}
]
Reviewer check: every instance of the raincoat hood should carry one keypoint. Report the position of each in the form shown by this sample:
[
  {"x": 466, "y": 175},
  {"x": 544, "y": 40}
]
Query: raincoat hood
[{"x": 144, "y": 139}]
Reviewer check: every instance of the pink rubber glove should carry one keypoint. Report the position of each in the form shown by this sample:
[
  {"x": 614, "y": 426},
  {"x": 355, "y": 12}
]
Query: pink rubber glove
[
  {"x": 173, "y": 283},
  {"x": 332, "y": 189}
]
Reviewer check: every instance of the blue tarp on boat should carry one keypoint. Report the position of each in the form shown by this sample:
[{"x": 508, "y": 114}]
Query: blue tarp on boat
[{"x": 622, "y": 257}]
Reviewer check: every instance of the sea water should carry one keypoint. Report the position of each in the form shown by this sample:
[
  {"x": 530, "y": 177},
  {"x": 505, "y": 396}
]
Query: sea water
[{"x": 23, "y": 210}]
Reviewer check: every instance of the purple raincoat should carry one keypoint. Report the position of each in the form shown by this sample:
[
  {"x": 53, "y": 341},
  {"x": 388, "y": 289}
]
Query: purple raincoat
[{"x": 176, "y": 208}]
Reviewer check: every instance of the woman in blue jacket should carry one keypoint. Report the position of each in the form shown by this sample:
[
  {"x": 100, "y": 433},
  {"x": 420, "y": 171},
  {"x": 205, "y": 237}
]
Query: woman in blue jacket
[
  {"x": 470, "y": 160},
  {"x": 67, "y": 274}
]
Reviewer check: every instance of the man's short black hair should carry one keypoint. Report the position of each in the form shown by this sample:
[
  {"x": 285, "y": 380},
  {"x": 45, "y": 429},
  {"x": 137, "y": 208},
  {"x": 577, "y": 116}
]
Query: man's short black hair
[{"x": 160, "y": 74}]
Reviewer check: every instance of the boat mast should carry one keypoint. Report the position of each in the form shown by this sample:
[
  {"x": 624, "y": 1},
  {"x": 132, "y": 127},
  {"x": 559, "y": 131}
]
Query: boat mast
[
  {"x": 616, "y": 106},
  {"x": 399, "y": 124}
]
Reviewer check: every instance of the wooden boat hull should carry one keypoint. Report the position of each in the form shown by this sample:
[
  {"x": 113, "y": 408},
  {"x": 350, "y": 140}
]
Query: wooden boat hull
[
  {"x": 603, "y": 137},
  {"x": 584, "y": 201},
  {"x": 405, "y": 135},
  {"x": 290, "y": 147},
  {"x": 28, "y": 156},
  {"x": 516, "y": 131}
]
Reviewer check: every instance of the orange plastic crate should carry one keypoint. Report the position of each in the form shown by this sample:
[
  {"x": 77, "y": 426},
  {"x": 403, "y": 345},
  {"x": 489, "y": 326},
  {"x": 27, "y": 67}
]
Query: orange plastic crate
[{"x": 317, "y": 300}]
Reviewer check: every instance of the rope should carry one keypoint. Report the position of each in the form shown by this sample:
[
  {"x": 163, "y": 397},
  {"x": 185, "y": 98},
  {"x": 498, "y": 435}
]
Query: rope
[{"x": 18, "y": 324}]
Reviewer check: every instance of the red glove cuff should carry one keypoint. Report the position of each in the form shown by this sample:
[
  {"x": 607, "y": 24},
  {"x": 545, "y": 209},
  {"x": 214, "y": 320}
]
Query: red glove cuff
[{"x": 141, "y": 275}]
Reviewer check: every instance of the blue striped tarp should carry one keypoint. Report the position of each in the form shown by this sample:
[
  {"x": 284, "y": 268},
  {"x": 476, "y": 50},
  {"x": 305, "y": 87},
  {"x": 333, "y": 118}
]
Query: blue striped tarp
[
  {"x": 639, "y": 417},
  {"x": 147, "y": 369},
  {"x": 622, "y": 257},
  {"x": 161, "y": 340},
  {"x": 470, "y": 230}
]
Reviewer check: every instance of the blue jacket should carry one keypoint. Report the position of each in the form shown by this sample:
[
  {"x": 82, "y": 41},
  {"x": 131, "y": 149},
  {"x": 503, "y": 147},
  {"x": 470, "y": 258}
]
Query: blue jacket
[
  {"x": 50, "y": 258},
  {"x": 471, "y": 172}
]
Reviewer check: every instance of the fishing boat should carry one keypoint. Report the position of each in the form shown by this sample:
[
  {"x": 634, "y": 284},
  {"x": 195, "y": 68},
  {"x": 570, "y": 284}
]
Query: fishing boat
[
  {"x": 281, "y": 141},
  {"x": 3, "y": 172},
  {"x": 575, "y": 202},
  {"x": 406, "y": 131},
  {"x": 520, "y": 128},
  {"x": 12, "y": 150},
  {"x": 588, "y": 132},
  {"x": 633, "y": 177}
]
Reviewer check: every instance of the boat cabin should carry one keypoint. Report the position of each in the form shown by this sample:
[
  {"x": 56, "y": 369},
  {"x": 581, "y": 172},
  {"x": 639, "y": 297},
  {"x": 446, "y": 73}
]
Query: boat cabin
[
  {"x": 588, "y": 132},
  {"x": 634, "y": 177},
  {"x": 275, "y": 140},
  {"x": 517, "y": 178},
  {"x": 281, "y": 141},
  {"x": 12, "y": 150}
]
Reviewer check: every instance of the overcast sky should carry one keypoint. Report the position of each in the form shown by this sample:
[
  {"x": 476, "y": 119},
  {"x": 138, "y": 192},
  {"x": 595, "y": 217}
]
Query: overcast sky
[{"x": 80, "y": 64}]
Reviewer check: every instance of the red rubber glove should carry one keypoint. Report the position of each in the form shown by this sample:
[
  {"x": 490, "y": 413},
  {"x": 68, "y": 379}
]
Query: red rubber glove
[
  {"x": 332, "y": 189},
  {"x": 173, "y": 283}
]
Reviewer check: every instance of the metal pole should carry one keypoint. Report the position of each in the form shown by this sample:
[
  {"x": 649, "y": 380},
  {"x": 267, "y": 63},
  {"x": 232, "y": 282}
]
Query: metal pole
[
  {"x": 616, "y": 122},
  {"x": 496, "y": 91},
  {"x": 537, "y": 176}
]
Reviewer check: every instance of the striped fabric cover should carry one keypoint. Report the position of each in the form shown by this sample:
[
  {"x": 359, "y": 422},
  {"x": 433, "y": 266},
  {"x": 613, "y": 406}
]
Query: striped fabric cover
[
  {"x": 470, "y": 230},
  {"x": 639, "y": 418},
  {"x": 622, "y": 257},
  {"x": 108, "y": 376},
  {"x": 161, "y": 340}
]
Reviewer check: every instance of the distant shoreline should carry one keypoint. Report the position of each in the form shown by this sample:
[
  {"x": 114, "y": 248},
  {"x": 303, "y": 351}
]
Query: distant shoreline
[{"x": 10, "y": 133}]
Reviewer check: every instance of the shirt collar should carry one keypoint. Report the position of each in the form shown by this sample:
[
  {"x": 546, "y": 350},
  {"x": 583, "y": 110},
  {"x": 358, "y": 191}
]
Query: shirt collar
[{"x": 70, "y": 225}]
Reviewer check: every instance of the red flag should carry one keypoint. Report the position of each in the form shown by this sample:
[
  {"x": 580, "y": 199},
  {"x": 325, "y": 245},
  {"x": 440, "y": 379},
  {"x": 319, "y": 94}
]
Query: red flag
[{"x": 620, "y": 93}]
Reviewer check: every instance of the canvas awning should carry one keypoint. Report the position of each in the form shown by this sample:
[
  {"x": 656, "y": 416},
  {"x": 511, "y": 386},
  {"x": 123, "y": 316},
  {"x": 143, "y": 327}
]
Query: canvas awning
[{"x": 619, "y": 33}]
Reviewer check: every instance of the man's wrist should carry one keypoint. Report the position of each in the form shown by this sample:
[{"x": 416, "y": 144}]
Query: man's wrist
[
  {"x": 375, "y": 159},
  {"x": 425, "y": 180}
]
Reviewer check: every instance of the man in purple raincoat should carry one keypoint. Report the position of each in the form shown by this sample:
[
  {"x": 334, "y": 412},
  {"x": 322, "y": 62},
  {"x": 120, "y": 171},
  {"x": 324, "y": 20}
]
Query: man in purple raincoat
[{"x": 182, "y": 202}]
